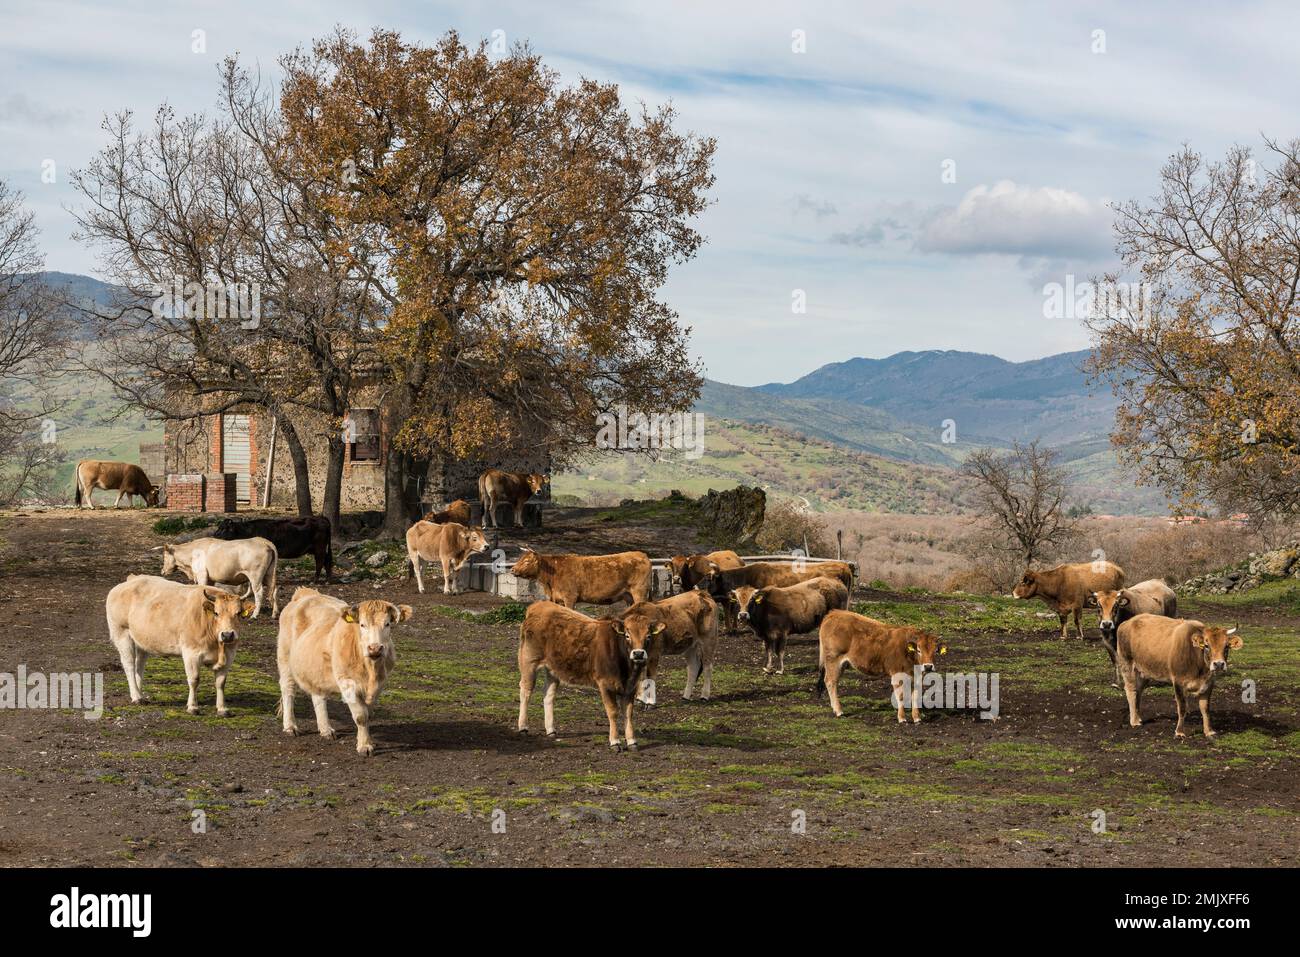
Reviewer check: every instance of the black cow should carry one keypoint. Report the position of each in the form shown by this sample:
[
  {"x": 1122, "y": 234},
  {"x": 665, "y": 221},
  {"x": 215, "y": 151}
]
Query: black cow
[{"x": 292, "y": 537}]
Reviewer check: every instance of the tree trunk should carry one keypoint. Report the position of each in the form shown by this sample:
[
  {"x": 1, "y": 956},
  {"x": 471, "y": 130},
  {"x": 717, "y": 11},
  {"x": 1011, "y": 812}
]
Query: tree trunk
[
  {"x": 330, "y": 504},
  {"x": 301, "y": 471},
  {"x": 398, "y": 513}
]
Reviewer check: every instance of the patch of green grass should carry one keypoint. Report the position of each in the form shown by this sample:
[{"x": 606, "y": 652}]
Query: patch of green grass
[{"x": 179, "y": 523}]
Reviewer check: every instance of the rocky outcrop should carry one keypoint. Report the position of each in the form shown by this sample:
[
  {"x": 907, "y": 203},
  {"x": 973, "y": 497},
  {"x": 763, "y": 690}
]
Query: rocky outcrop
[
  {"x": 732, "y": 517},
  {"x": 1258, "y": 568}
]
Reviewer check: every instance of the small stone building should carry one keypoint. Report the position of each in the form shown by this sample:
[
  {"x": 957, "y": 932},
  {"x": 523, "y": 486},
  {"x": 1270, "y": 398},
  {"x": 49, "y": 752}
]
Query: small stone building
[{"x": 201, "y": 455}]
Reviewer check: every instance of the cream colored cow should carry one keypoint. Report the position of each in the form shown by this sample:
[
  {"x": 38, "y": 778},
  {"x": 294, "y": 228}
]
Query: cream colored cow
[
  {"x": 215, "y": 561},
  {"x": 148, "y": 615},
  {"x": 328, "y": 647}
]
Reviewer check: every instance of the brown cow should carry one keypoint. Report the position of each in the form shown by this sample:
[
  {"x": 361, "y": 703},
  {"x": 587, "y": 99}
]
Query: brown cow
[
  {"x": 122, "y": 477},
  {"x": 452, "y": 544},
  {"x": 774, "y": 613},
  {"x": 1114, "y": 607},
  {"x": 1066, "y": 588},
  {"x": 874, "y": 648},
  {"x": 458, "y": 512},
  {"x": 689, "y": 570},
  {"x": 496, "y": 487},
  {"x": 692, "y": 630},
  {"x": 721, "y": 583},
  {"x": 598, "y": 579},
  {"x": 328, "y": 647},
  {"x": 153, "y": 616},
  {"x": 593, "y": 653},
  {"x": 1154, "y": 650}
]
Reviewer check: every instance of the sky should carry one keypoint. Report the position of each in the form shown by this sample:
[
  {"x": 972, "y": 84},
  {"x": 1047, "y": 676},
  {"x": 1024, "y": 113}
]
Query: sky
[{"x": 890, "y": 176}]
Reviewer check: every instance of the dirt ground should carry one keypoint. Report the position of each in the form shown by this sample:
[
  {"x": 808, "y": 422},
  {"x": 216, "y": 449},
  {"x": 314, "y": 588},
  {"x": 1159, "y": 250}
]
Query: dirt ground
[{"x": 761, "y": 774}]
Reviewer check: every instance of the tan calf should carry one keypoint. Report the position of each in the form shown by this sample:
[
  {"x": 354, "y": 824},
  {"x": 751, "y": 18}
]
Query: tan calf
[
  {"x": 874, "y": 648},
  {"x": 458, "y": 512},
  {"x": 604, "y": 654},
  {"x": 452, "y": 544},
  {"x": 1066, "y": 588},
  {"x": 691, "y": 629},
  {"x": 328, "y": 647},
  {"x": 153, "y": 616},
  {"x": 496, "y": 487},
  {"x": 598, "y": 579},
  {"x": 1154, "y": 650},
  {"x": 1114, "y": 607}
]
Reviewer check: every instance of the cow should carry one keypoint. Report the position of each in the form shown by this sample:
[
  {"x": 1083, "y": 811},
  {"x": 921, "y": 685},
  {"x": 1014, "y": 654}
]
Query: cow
[
  {"x": 496, "y": 487},
  {"x": 598, "y": 579},
  {"x": 212, "y": 561},
  {"x": 605, "y": 654},
  {"x": 874, "y": 648},
  {"x": 458, "y": 512},
  {"x": 1114, "y": 607},
  {"x": 721, "y": 583},
  {"x": 774, "y": 612},
  {"x": 292, "y": 538},
  {"x": 1066, "y": 588},
  {"x": 122, "y": 477},
  {"x": 328, "y": 647},
  {"x": 1155, "y": 650},
  {"x": 148, "y": 615},
  {"x": 452, "y": 544},
  {"x": 689, "y": 570},
  {"x": 691, "y": 621}
]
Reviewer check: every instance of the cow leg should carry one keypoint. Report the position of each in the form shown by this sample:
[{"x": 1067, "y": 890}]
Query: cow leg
[
  {"x": 548, "y": 704},
  {"x": 256, "y": 588},
  {"x": 414, "y": 558},
  {"x": 141, "y": 656},
  {"x": 1078, "y": 622},
  {"x": 126, "y": 651},
  {"x": 446, "y": 574},
  {"x": 1203, "y": 699},
  {"x": 832, "y": 678},
  {"x": 916, "y": 702},
  {"x": 219, "y": 679},
  {"x": 767, "y": 646},
  {"x": 896, "y": 682},
  {"x": 706, "y": 670},
  {"x": 519, "y": 516},
  {"x": 192, "y": 679},
  {"x": 1180, "y": 705},
  {"x": 527, "y": 678},
  {"x": 286, "y": 701},
  {"x": 628, "y": 733},
  {"x": 1065, "y": 621},
  {"x": 780, "y": 655},
  {"x": 324, "y": 726},
  {"x": 609, "y": 698},
  {"x": 1133, "y": 691},
  {"x": 489, "y": 511},
  {"x": 692, "y": 670},
  {"x": 361, "y": 716}
]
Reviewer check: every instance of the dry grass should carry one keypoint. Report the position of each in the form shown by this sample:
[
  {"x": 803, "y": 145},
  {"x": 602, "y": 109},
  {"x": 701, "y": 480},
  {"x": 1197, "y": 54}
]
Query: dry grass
[{"x": 952, "y": 553}]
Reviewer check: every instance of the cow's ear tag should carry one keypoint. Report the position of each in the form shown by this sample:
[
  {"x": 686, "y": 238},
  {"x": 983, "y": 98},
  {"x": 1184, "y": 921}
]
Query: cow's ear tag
[
  {"x": 758, "y": 599},
  {"x": 347, "y": 616},
  {"x": 943, "y": 649},
  {"x": 911, "y": 649}
]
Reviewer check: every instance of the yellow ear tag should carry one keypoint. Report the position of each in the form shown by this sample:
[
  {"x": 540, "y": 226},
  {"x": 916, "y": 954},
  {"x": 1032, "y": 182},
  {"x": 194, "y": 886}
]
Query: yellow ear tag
[
  {"x": 943, "y": 649},
  {"x": 348, "y": 618},
  {"x": 911, "y": 649},
  {"x": 758, "y": 598}
]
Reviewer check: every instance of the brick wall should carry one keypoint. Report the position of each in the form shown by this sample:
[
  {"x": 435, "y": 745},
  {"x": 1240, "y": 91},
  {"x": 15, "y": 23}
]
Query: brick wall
[
  {"x": 185, "y": 492},
  {"x": 220, "y": 495}
]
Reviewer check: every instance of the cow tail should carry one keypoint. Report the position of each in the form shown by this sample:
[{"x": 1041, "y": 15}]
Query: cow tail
[
  {"x": 76, "y": 479},
  {"x": 821, "y": 672}
]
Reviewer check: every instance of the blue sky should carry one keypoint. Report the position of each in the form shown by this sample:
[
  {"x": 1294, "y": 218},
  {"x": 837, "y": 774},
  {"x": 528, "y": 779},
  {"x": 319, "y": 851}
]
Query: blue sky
[{"x": 830, "y": 161}]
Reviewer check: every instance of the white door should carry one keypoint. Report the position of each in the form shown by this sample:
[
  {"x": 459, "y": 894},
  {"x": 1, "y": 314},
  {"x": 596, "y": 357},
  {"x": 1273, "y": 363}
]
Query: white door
[{"x": 235, "y": 453}]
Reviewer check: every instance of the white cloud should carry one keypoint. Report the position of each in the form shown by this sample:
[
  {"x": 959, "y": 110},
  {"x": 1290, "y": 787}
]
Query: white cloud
[{"x": 1035, "y": 221}]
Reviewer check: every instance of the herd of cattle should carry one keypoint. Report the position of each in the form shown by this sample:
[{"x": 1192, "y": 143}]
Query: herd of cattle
[{"x": 330, "y": 648}]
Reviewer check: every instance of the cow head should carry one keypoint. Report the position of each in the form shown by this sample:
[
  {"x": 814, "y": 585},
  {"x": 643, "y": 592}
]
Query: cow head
[
  {"x": 678, "y": 565},
  {"x": 374, "y": 619},
  {"x": 922, "y": 648},
  {"x": 1028, "y": 586},
  {"x": 168, "y": 560},
  {"x": 476, "y": 541},
  {"x": 529, "y": 565},
  {"x": 152, "y": 496},
  {"x": 225, "y": 610},
  {"x": 1214, "y": 645},
  {"x": 1108, "y": 604},
  {"x": 746, "y": 600},
  {"x": 638, "y": 633},
  {"x": 535, "y": 481}
]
